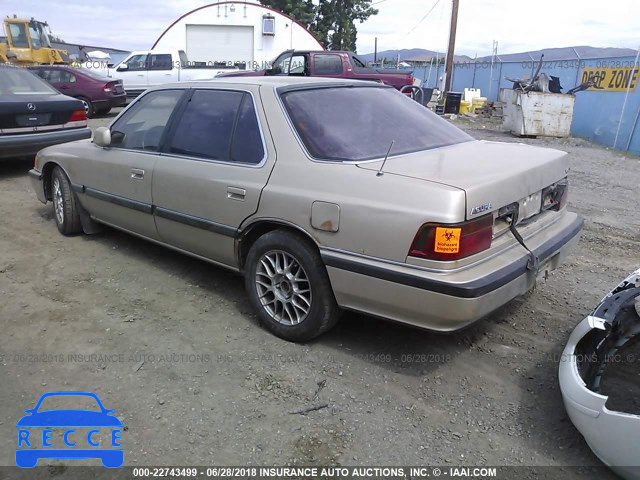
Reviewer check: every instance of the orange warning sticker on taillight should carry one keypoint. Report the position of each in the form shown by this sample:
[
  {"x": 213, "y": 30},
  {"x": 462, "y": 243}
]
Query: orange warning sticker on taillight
[{"x": 447, "y": 240}]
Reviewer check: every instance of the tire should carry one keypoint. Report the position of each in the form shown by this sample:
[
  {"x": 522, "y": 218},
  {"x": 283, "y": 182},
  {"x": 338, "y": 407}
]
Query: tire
[
  {"x": 103, "y": 111},
  {"x": 65, "y": 204},
  {"x": 88, "y": 106},
  {"x": 288, "y": 286}
]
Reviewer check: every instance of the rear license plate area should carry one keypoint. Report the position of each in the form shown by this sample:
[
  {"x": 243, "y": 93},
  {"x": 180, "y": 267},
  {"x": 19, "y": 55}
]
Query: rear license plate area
[
  {"x": 34, "y": 120},
  {"x": 530, "y": 205}
]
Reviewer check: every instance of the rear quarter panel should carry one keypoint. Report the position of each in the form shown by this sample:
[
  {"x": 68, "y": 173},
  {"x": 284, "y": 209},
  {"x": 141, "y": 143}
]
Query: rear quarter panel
[{"x": 379, "y": 215}]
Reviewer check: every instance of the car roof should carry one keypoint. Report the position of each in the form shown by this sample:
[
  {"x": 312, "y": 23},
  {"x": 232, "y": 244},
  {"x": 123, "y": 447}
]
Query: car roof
[{"x": 272, "y": 82}]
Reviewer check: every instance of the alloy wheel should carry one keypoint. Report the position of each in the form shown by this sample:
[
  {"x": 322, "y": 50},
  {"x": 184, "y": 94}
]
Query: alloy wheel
[
  {"x": 58, "y": 201},
  {"x": 283, "y": 287}
]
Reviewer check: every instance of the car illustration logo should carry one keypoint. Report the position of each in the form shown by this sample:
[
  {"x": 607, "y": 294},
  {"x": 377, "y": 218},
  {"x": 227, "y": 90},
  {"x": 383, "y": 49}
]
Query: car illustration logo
[
  {"x": 69, "y": 433},
  {"x": 31, "y": 106}
]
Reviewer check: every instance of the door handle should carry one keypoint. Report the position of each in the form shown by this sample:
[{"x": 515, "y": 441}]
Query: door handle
[
  {"x": 64, "y": 87},
  {"x": 137, "y": 173},
  {"x": 235, "y": 193}
]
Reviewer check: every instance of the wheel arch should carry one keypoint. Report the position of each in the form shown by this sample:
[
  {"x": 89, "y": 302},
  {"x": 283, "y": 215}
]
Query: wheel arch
[
  {"x": 257, "y": 228},
  {"x": 47, "y": 172}
]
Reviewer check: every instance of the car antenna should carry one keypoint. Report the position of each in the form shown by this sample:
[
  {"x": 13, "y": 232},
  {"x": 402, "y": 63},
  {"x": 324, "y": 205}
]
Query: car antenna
[{"x": 379, "y": 174}]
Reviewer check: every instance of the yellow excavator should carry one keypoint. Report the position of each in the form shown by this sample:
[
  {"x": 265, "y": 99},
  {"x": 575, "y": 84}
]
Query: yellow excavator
[{"x": 28, "y": 44}]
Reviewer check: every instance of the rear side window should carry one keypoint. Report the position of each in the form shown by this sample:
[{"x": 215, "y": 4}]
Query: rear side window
[
  {"x": 327, "y": 64},
  {"x": 359, "y": 123},
  {"x": 160, "y": 62},
  {"x": 60, "y": 76},
  {"x": 219, "y": 125},
  {"x": 141, "y": 126}
]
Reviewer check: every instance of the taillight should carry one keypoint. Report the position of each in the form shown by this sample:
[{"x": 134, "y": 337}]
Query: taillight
[
  {"x": 411, "y": 79},
  {"x": 555, "y": 196},
  {"x": 453, "y": 242},
  {"x": 108, "y": 87},
  {"x": 78, "y": 116}
]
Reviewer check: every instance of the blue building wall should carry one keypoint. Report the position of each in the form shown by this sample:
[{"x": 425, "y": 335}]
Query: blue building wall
[{"x": 597, "y": 113}]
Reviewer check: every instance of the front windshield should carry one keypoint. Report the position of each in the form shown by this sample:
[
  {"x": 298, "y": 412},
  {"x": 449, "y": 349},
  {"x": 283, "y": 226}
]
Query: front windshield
[
  {"x": 94, "y": 75},
  {"x": 69, "y": 402}
]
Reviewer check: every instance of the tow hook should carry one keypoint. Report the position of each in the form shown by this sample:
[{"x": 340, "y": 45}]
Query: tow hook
[{"x": 533, "y": 264}]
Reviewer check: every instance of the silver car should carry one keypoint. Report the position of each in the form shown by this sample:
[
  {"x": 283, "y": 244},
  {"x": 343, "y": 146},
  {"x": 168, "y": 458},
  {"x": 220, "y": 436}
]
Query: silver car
[{"x": 326, "y": 195}]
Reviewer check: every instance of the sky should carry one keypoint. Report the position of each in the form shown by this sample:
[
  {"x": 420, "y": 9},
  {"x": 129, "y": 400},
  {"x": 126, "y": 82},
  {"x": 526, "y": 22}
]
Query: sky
[{"x": 517, "y": 26}]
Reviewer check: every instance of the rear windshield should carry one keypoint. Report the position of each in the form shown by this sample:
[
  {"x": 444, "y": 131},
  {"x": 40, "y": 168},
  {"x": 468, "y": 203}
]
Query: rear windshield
[
  {"x": 92, "y": 74},
  {"x": 359, "y": 123},
  {"x": 19, "y": 81}
]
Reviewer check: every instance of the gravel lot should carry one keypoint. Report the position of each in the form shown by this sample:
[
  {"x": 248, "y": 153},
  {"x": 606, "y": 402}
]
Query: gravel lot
[{"x": 196, "y": 381}]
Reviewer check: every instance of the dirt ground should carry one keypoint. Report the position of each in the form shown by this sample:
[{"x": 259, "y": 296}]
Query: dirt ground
[{"x": 181, "y": 358}]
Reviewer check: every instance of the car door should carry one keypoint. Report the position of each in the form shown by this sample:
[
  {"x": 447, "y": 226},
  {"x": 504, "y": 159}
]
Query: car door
[
  {"x": 65, "y": 82},
  {"x": 160, "y": 69},
  {"x": 133, "y": 73},
  {"x": 116, "y": 181},
  {"x": 292, "y": 63},
  {"x": 212, "y": 171}
]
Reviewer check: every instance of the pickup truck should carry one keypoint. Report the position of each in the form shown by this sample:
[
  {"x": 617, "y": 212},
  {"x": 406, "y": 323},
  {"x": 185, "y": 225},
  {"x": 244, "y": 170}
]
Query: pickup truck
[
  {"x": 145, "y": 69},
  {"x": 321, "y": 63}
]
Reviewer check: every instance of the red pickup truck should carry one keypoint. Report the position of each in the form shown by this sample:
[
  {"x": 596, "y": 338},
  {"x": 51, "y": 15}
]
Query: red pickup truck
[{"x": 321, "y": 63}]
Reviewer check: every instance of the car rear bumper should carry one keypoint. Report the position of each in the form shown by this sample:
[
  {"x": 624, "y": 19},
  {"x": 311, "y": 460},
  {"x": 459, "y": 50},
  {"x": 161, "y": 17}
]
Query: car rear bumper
[
  {"x": 613, "y": 436},
  {"x": 446, "y": 301},
  {"x": 28, "y": 144},
  {"x": 111, "y": 458},
  {"x": 112, "y": 102}
]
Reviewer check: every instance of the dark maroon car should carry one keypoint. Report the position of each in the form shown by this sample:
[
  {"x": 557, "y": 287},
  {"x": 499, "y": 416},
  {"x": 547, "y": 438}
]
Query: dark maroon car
[{"x": 98, "y": 94}]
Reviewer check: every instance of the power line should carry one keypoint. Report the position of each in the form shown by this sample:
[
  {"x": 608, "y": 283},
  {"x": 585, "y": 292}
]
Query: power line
[{"x": 423, "y": 18}]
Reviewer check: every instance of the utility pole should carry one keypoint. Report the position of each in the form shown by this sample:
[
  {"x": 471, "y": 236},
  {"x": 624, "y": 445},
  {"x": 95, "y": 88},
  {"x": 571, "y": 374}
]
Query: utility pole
[
  {"x": 375, "y": 51},
  {"x": 448, "y": 69}
]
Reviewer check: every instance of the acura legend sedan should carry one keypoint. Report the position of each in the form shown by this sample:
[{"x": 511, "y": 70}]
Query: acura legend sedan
[{"x": 325, "y": 195}]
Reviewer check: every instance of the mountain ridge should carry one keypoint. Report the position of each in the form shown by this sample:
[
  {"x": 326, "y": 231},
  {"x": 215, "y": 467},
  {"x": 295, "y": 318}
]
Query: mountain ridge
[{"x": 559, "y": 53}]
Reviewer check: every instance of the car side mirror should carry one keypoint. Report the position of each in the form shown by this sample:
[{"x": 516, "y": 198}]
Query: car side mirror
[
  {"x": 102, "y": 137},
  {"x": 274, "y": 71},
  {"x": 123, "y": 68}
]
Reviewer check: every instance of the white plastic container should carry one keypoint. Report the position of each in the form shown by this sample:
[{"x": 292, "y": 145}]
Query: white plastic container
[{"x": 470, "y": 94}]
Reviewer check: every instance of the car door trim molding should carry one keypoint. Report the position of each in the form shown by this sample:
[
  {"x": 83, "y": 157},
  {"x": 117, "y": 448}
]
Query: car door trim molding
[
  {"x": 471, "y": 289},
  {"x": 76, "y": 187},
  {"x": 197, "y": 222},
  {"x": 118, "y": 200},
  {"x": 179, "y": 217}
]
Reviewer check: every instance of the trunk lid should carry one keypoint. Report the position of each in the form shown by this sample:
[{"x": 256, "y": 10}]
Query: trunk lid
[
  {"x": 492, "y": 174},
  {"x": 26, "y": 113}
]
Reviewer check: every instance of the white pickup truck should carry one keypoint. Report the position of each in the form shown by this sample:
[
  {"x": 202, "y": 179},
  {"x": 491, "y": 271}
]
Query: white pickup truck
[{"x": 145, "y": 69}]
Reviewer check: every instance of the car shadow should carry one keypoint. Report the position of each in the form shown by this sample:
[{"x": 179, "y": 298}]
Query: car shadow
[
  {"x": 13, "y": 168},
  {"x": 392, "y": 346}
]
